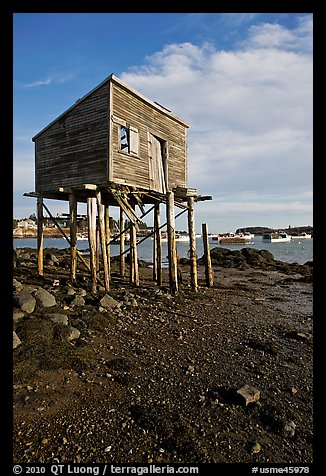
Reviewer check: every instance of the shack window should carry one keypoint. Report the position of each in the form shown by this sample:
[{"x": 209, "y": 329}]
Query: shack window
[{"x": 129, "y": 140}]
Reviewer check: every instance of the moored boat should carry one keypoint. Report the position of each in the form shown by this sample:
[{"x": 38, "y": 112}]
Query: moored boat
[{"x": 277, "y": 237}]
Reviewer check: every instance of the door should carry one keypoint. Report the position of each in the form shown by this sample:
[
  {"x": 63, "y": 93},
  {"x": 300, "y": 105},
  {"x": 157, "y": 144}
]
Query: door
[{"x": 157, "y": 181}]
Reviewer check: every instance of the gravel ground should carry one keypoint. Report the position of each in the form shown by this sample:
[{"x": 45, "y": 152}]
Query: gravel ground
[{"x": 224, "y": 375}]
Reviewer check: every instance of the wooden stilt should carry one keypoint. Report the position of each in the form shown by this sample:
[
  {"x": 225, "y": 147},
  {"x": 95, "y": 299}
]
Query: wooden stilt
[
  {"x": 108, "y": 237},
  {"x": 97, "y": 247},
  {"x": 209, "y": 275},
  {"x": 122, "y": 244},
  {"x": 101, "y": 226},
  {"x": 173, "y": 272},
  {"x": 91, "y": 223},
  {"x": 40, "y": 236},
  {"x": 134, "y": 274},
  {"x": 192, "y": 237},
  {"x": 73, "y": 236},
  {"x": 157, "y": 256}
]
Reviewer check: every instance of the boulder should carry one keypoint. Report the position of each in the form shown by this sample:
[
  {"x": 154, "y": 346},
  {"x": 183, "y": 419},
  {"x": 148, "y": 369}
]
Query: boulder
[
  {"x": 17, "y": 314},
  {"x": 249, "y": 394},
  {"x": 44, "y": 298},
  {"x": 58, "y": 318},
  {"x": 26, "y": 301},
  {"x": 16, "y": 340},
  {"x": 78, "y": 301},
  {"x": 72, "y": 333},
  {"x": 108, "y": 302},
  {"x": 17, "y": 286}
]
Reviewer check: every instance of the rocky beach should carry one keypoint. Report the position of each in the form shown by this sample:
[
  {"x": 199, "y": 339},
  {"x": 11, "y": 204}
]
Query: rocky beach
[{"x": 135, "y": 375}]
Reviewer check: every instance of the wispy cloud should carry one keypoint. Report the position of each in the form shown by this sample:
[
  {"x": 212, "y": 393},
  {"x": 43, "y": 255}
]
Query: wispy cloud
[{"x": 53, "y": 79}]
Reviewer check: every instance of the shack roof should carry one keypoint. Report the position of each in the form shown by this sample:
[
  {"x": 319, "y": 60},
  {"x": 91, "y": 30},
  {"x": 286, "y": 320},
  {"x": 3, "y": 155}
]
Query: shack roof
[{"x": 116, "y": 80}]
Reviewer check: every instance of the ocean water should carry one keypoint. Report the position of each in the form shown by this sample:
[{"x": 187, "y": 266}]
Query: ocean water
[{"x": 296, "y": 251}]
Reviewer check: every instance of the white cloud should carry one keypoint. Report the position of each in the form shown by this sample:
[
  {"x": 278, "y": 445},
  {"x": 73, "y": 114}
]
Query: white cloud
[{"x": 249, "y": 110}]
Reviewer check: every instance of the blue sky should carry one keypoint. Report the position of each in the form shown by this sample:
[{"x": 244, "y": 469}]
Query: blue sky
[{"x": 243, "y": 81}]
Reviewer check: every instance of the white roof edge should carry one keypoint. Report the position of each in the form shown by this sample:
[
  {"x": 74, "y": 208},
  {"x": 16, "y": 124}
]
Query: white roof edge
[{"x": 116, "y": 80}]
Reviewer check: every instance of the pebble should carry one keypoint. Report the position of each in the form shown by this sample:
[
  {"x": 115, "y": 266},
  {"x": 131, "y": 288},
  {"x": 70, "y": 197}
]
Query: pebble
[{"x": 256, "y": 448}]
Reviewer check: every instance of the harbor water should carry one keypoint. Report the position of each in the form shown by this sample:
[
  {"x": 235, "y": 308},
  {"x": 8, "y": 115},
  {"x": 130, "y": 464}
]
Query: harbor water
[{"x": 295, "y": 251}]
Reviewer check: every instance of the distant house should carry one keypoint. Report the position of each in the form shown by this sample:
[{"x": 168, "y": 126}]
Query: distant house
[{"x": 27, "y": 224}]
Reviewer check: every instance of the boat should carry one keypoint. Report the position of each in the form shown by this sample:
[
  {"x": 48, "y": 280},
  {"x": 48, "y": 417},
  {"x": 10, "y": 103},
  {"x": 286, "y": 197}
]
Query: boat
[
  {"x": 178, "y": 237},
  {"x": 233, "y": 239},
  {"x": 82, "y": 236},
  {"x": 276, "y": 237},
  {"x": 303, "y": 236}
]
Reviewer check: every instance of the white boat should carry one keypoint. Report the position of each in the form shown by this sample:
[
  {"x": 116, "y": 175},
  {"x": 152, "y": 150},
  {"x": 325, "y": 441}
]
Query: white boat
[
  {"x": 277, "y": 237},
  {"x": 178, "y": 237},
  {"x": 82, "y": 236},
  {"x": 303, "y": 236},
  {"x": 248, "y": 235}
]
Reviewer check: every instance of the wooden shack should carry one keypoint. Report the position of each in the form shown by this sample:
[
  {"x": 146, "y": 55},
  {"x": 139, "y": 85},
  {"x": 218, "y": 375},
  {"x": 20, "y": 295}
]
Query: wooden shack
[
  {"x": 113, "y": 134},
  {"x": 115, "y": 147}
]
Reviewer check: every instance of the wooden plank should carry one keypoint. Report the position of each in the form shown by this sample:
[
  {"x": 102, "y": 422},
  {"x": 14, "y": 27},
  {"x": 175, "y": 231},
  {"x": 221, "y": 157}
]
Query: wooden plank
[
  {"x": 91, "y": 224},
  {"x": 40, "y": 236},
  {"x": 192, "y": 237},
  {"x": 209, "y": 275},
  {"x": 73, "y": 236},
  {"x": 173, "y": 270}
]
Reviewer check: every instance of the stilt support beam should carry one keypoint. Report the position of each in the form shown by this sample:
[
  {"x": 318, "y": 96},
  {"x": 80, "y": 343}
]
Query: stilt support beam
[
  {"x": 73, "y": 236},
  {"x": 157, "y": 247},
  {"x": 122, "y": 244},
  {"x": 102, "y": 232},
  {"x": 209, "y": 275},
  {"x": 172, "y": 255},
  {"x": 134, "y": 274},
  {"x": 91, "y": 223},
  {"x": 192, "y": 240},
  {"x": 40, "y": 236}
]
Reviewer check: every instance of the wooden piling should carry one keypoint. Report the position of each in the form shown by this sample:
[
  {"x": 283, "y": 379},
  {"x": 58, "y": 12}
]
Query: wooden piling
[
  {"x": 209, "y": 275},
  {"x": 108, "y": 237},
  {"x": 102, "y": 232},
  {"x": 122, "y": 244},
  {"x": 91, "y": 224},
  {"x": 192, "y": 239},
  {"x": 157, "y": 247},
  {"x": 173, "y": 271},
  {"x": 134, "y": 274},
  {"x": 40, "y": 221},
  {"x": 73, "y": 236}
]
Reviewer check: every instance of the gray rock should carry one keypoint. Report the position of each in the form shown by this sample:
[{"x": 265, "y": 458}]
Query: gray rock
[
  {"x": 71, "y": 292},
  {"x": 44, "y": 298},
  {"x": 81, "y": 292},
  {"x": 249, "y": 394},
  {"x": 16, "y": 340},
  {"x": 18, "y": 286},
  {"x": 72, "y": 333},
  {"x": 58, "y": 318},
  {"x": 17, "y": 314},
  {"x": 26, "y": 301},
  {"x": 289, "y": 428},
  {"x": 78, "y": 301},
  {"x": 108, "y": 302},
  {"x": 52, "y": 257}
]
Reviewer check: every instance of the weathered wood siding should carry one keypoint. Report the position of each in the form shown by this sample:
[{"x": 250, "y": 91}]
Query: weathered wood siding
[
  {"x": 74, "y": 149},
  {"x": 137, "y": 113}
]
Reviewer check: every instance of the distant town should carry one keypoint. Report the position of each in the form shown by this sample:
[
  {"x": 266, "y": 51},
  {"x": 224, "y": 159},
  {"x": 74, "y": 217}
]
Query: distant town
[{"x": 27, "y": 227}]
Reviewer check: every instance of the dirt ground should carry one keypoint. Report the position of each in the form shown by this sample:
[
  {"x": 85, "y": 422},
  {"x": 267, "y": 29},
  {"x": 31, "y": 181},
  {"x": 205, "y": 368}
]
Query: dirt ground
[{"x": 160, "y": 378}]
